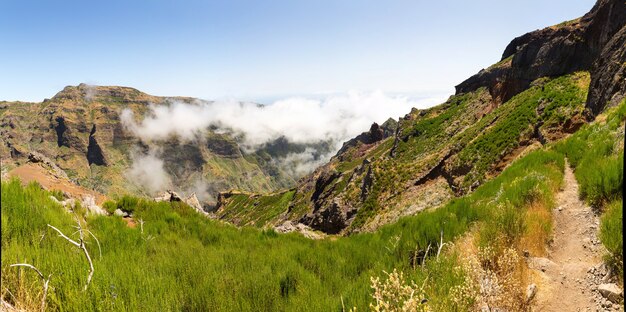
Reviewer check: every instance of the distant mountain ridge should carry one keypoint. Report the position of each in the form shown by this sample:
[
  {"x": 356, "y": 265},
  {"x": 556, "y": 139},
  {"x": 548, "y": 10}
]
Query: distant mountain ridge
[{"x": 80, "y": 130}]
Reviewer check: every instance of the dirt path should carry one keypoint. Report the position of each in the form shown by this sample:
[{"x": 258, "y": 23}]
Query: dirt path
[{"x": 567, "y": 280}]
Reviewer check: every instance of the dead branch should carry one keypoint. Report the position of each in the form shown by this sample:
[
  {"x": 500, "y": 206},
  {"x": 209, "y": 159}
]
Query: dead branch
[
  {"x": 43, "y": 235},
  {"x": 63, "y": 235},
  {"x": 343, "y": 307},
  {"x": 45, "y": 281},
  {"x": 97, "y": 242},
  {"x": 81, "y": 245},
  {"x": 426, "y": 254},
  {"x": 441, "y": 243}
]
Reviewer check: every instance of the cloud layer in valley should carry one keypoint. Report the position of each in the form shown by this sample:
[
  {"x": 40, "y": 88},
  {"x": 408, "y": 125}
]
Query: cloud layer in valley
[
  {"x": 334, "y": 119},
  {"x": 148, "y": 171},
  {"x": 299, "y": 120}
]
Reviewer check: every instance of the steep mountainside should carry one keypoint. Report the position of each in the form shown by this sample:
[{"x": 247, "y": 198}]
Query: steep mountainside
[
  {"x": 548, "y": 83},
  {"x": 594, "y": 43},
  {"x": 79, "y": 130}
]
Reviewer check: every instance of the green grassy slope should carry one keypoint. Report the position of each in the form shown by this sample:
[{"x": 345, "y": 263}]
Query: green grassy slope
[
  {"x": 469, "y": 138},
  {"x": 183, "y": 261}
]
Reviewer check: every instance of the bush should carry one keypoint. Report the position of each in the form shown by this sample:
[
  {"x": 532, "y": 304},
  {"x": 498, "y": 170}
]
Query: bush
[
  {"x": 58, "y": 195},
  {"x": 128, "y": 203},
  {"x": 600, "y": 178},
  {"x": 109, "y": 206}
]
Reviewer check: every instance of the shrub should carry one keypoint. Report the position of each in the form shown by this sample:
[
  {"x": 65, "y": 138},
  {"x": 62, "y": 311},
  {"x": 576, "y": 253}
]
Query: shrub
[
  {"x": 109, "y": 206},
  {"x": 288, "y": 284},
  {"x": 395, "y": 294},
  {"x": 600, "y": 178},
  {"x": 58, "y": 195},
  {"x": 128, "y": 203}
]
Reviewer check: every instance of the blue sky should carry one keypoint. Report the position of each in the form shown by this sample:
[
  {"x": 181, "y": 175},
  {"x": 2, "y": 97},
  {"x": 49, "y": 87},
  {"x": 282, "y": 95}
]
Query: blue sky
[{"x": 260, "y": 50}]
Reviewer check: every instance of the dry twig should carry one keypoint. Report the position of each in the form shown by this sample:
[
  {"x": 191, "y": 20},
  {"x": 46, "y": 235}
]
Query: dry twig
[
  {"x": 81, "y": 245},
  {"x": 45, "y": 280}
]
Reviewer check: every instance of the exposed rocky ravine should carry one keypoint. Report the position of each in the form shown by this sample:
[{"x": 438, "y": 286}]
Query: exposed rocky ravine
[{"x": 375, "y": 134}]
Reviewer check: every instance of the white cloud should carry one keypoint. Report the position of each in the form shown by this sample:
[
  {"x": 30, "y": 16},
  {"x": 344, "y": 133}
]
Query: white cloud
[
  {"x": 334, "y": 119},
  {"x": 299, "y": 164},
  {"x": 147, "y": 170},
  {"x": 300, "y": 120}
]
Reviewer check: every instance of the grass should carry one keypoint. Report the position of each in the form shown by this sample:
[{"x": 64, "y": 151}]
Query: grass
[
  {"x": 611, "y": 228},
  {"x": 184, "y": 261},
  {"x": 265, "y": 208},
  {"x": 518, "y": 117}
]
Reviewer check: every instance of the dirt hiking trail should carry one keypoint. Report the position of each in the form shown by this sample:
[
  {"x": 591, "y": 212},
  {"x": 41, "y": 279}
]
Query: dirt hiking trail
[{"x": 568, "y": 279}]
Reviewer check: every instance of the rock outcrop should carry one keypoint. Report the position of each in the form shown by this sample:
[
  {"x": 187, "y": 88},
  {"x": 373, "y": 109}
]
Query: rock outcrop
[
  {"x": 290, "y": 226},
  {"x": 330, "y": 218},
  {"x": 36, "y": 157},
  {"x": 191, "y": 200},
  {"x": 611, "y": 292},
  {"x": 169, "y": 196},
  {"x": 89, "y": 203},
  {"x": 375, "y": 134},
  {"x": 608, "y": 81}
]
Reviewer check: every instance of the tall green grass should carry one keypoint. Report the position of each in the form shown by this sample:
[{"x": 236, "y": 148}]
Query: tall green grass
[
  {"x": 611, "y": 225},
  {"x": 184, "y": 261}
]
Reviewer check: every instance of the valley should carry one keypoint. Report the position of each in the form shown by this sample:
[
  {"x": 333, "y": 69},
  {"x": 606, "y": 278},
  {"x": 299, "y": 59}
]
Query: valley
[{"x": 505, "y": 197}]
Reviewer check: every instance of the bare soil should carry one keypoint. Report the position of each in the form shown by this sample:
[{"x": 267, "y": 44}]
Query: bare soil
[{"x": 34, "y": 172}]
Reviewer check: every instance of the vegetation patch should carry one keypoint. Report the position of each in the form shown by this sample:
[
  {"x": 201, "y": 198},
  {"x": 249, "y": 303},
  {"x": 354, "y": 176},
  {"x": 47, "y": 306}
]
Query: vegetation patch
[{"x": 220, "y": 267}]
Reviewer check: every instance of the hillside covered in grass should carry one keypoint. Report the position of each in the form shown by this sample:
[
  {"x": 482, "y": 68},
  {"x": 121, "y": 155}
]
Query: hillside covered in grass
[
  {"x": 547, "y": 84},
  {"x": 437, "y": 154},
  {"x": 177, "y": 259},
  {"x": 219, "y": 267},
  {"x": 470, "y": 205}
]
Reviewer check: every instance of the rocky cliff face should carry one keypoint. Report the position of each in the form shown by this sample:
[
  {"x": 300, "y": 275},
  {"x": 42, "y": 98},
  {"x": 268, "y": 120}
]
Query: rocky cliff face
[
  {"x": 594, "y": 43},
  {"x": 80, "y": 130}
]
